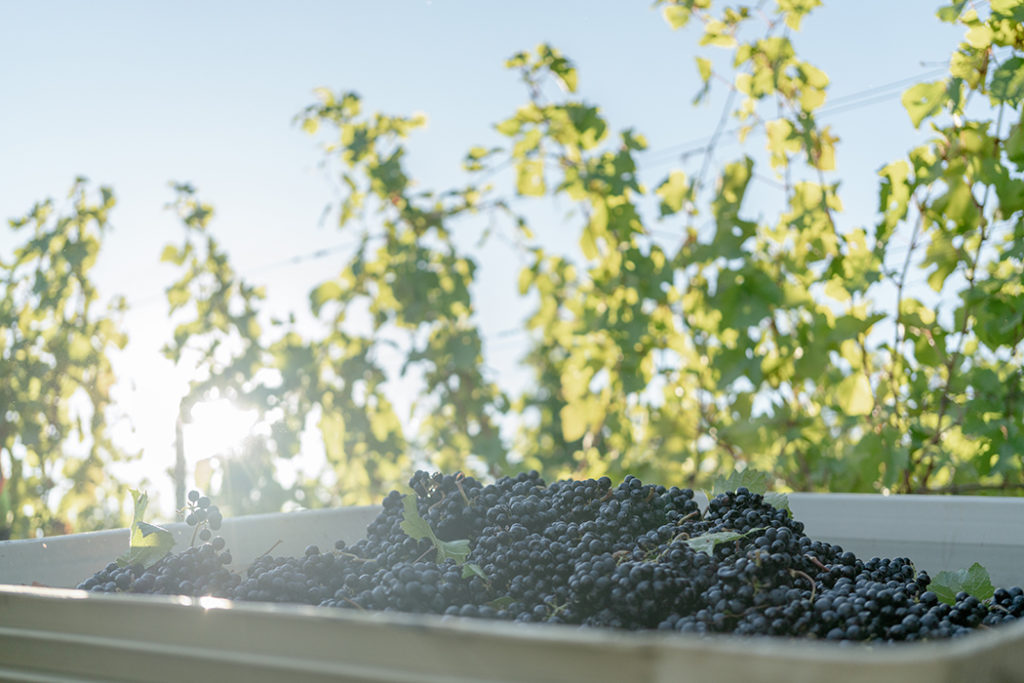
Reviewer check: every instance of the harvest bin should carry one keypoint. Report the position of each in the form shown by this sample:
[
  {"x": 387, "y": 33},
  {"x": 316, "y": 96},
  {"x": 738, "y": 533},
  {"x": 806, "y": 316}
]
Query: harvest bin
[{"x": 56, "y": 634}]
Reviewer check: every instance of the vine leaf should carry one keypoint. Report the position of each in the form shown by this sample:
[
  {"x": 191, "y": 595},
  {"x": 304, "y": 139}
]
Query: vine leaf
[
  {"x": 501, "y": 603},
  {"x": 149, "y": 543},
  {"x": 924, "y": 100},
  {"x": 779, "y": 501},
  {"x": 706, "y": 543},
  {"x": 854, "y": 396},
  {"x": 470, "y": 569},
  {"x": 1008, "y": 82},
  {"x": 455, "y": 550},
  {"x": 973, "y": 581},
  {"x": 753, "y": 480},
  {"x": 413, "y": 524},
  {"x": 418, "y": 528}
]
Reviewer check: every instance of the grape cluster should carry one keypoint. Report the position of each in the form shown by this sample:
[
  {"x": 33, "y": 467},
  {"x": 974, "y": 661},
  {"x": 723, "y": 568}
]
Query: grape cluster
[
  {"x": 196, "y": 571},
  {"x": 205, "y": 517},
  {"x": 633, "y": 556}
]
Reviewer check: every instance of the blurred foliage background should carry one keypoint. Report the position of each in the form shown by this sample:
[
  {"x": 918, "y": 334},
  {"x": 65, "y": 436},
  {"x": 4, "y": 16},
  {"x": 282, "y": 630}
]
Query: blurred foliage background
[{"x": 790, "y": 342}]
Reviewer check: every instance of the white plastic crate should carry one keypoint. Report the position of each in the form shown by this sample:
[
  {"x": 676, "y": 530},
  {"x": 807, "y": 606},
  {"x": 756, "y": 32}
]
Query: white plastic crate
[{"x": 59, "y": 634}]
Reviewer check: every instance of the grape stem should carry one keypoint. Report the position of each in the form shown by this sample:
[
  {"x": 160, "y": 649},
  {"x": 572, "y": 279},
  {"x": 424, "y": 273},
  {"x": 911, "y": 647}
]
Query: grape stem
[
  {"x": 351, "y": 556},
  {"x": 692, "y": 515},
  {"x": 817, "y": 562},
  {"x": 268, "y": 550},
  {"x": 797, "y": 572},
  {"x": 458, "y": 485},
  {"x": 353, "y": 603}
]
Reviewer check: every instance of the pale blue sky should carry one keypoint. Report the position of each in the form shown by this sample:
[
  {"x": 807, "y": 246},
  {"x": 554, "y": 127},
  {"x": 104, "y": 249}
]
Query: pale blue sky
[{"x": 137, "y": 94}]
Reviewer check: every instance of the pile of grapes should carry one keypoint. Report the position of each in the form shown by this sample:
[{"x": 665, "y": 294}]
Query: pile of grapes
[{"x": 634, "y": 556}]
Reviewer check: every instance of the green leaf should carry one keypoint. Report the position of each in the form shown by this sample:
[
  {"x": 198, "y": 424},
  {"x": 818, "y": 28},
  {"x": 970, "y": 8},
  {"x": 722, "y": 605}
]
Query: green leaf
[
  {"x": 950, "y": 13},
  {"x": 140, "y": 500},
  {"x": 633, "y": 140},
  {"x": 973, "y": 581},
  {"x": 677, "y": 16},
  {"x": 452, "y": 550},
  {"x": 704, "y": 68},
  {"x": 418, "y": 528},
  {"x": 1007, "y": 9},
  {"x": 470, "y": 569},
  {"x": 924, "y": 100},
  {"x": 501, "y": 603},
  {"x": 853, "y": 395},
  {"x": 718, "y": 33},
  {"x": 706, "y": 543},
  {"x": 751, "y": 479},
  {"x": 1015, "y": 145},
  {"x": 171, "y": 254},
  {"x": 328, "y": 291},
  {"x": 412, "y": 523},
  {"x": 673, "y": 192},
  {"x": 979, "y": 37},
  {"x": 779, "y": 501},
  {"x": 575, "y": 421},
  {"x": 1008, "y": 82},
  {"x": 530, "y": 178},
  {"x": 509, "y": 127},
  {"x": 796, "y": 10},
  {"x": 148, "y": 543},
  {"x": 526, "y": 278}
]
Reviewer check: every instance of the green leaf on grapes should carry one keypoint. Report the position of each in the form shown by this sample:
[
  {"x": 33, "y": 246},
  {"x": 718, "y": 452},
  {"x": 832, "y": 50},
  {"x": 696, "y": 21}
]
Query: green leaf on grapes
[
  {"x": 452, "y": 550},
  {"x": 412, "y": 524},
  {"x": 973, "y": 581},
  {"x": 418, "y": 528},
  {"x": 470, "y": 569},
  {"x": 779, "y": 501},
  {"x": 501, "y": 603},
  {"x": 753, "y": 480},
  {"x": 706, "y": 543},
  {"x": 149, "y": 543}
]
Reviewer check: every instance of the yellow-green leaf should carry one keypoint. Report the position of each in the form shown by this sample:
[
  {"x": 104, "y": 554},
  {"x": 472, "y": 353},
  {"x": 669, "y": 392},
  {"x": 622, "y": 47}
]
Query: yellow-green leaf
[
  {"x": 170, "y": 254},
  {"x": 924, "y": 100},
  {"x": 853, "y": 395},
  {"x": 530, "y": 180},
  {"x": 328, "y": 291},
  {"x": 574, "y": 421},
  {"x": 673, "y": 192},
  {"x": 677, "y": 16},
  {"x": 1008, "y": 82},
  {"x": 704, "y": 68},
  {"x": 979, "y": 37}
]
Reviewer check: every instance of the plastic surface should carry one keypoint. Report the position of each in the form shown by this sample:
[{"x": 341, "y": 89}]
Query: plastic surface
[{"x": 54, "y": 634}]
